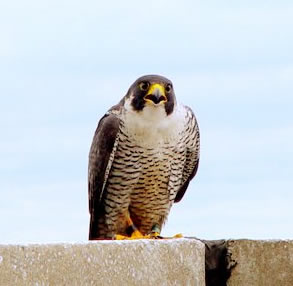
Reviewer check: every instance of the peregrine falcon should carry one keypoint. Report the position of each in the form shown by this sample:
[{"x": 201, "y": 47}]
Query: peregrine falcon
[{"x": 144, "y": 153}]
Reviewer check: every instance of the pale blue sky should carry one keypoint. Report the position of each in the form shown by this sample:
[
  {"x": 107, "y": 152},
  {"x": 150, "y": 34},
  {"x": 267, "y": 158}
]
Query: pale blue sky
[{"x": 64, "y": 63}]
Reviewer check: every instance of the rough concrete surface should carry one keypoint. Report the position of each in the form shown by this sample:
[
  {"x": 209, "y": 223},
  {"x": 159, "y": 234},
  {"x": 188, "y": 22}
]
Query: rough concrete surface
[
  {"x": 139, "y": 262},
  {"x": 261, "y": 262}
]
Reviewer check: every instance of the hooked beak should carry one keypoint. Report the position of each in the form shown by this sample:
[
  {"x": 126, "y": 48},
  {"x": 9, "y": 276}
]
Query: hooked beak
[{"x": 156, "y": 94}]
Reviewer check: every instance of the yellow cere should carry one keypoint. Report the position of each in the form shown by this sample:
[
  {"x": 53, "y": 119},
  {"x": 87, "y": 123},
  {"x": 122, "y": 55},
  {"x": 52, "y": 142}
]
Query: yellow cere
[{"x": 158, "y": 86}]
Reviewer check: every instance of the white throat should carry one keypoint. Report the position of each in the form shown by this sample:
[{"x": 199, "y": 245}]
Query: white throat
[{"x": 152, "y": 127}]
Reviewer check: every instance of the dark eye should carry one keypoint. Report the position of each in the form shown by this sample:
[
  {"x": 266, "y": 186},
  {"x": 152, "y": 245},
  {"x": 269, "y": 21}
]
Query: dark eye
[
  {"x": 168, "y": 88},
  {"x": 144, "y": 85}
]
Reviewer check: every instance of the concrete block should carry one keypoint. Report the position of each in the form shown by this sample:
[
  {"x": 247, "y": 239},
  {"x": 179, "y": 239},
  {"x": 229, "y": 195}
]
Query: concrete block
[
  {"x": 137, "y": 262},
  {"x": 261, "y": 263}
]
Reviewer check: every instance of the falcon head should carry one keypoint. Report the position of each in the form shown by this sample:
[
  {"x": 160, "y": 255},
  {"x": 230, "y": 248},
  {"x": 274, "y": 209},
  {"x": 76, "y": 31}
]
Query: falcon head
[{"x": 152, "y": 91}]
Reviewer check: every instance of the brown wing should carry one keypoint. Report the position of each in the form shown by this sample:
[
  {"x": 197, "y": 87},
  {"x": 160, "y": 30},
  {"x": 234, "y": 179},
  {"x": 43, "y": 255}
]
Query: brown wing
[
  {"x": 100, "y": 160},
  {"x": 192, "y": 154}
]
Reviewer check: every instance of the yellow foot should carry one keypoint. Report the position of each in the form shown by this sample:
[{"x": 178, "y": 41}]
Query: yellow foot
[
  {"x": 154, "y": 235},
  {"x": 121, "y": 237},
  {"x": 135, "y": 235},
  {"x": 178, "y": 235},
  {"x": 138, "y": 235}
]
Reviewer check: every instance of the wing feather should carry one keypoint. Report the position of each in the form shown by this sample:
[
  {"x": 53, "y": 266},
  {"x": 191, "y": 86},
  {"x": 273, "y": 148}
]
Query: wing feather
[
  {"x": 101, "y": 156},
  {"x": 192, "y": 153}
]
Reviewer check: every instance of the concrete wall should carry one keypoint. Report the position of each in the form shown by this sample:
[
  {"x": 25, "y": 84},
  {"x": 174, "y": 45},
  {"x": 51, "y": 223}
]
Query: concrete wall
[
  {"x": 149, "y": 262},
  {"x": 139, "y": 262},
  {"x": 261, "y": 263}
]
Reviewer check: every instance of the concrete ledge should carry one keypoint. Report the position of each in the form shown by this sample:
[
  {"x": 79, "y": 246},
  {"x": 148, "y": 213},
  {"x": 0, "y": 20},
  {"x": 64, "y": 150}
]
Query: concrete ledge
[
  {"x": 139, "y": 262},
  {"x": 261, "y": 262},
  {"x": 150, "y": 262}
]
